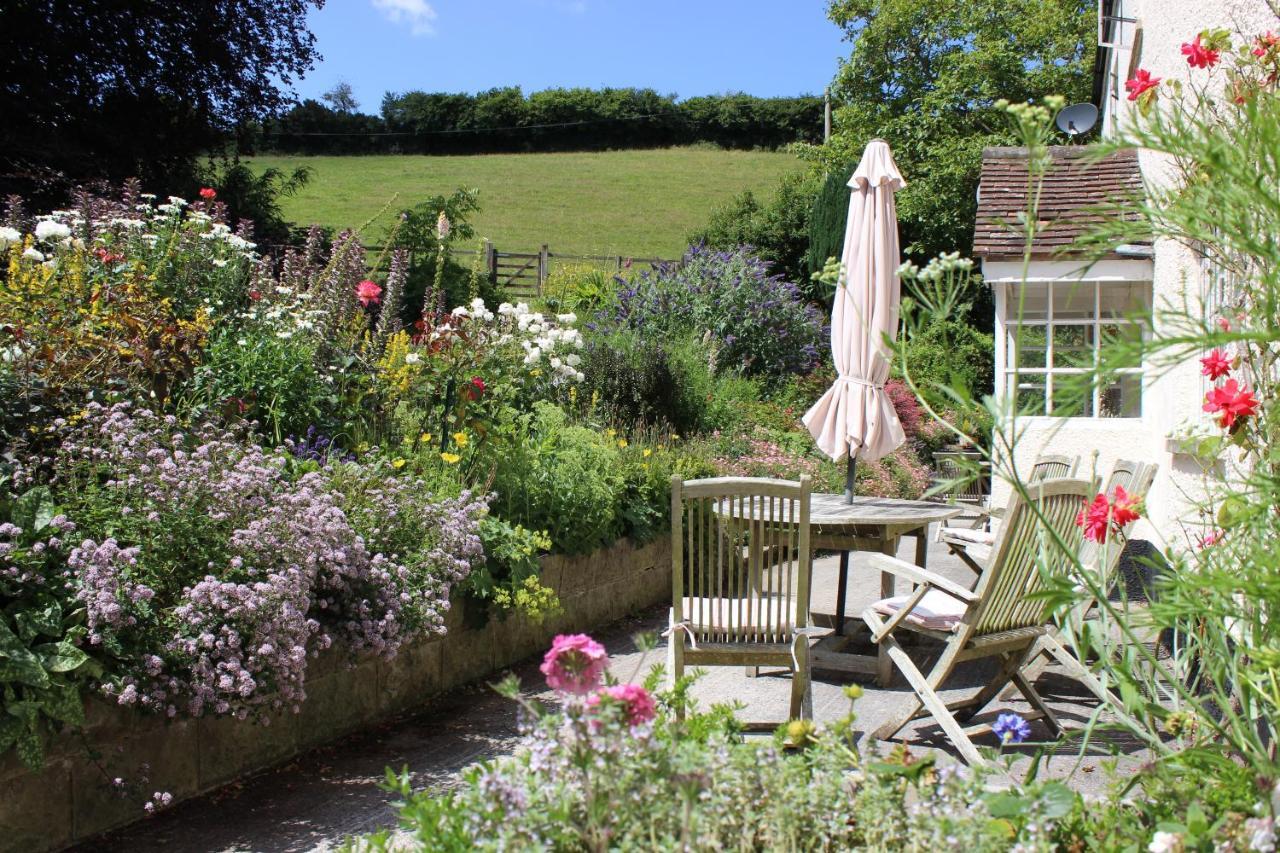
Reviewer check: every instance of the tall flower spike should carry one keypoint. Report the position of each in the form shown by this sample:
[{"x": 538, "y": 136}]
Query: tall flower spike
[{"x": 389, "y": 320}]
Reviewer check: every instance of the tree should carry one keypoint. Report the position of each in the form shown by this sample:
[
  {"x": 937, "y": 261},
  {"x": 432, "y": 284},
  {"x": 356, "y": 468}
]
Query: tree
[
  {"x": 341, "y": 98},
  {"x": 924, "y": 74},
  {"x": 108, "y": 89}
]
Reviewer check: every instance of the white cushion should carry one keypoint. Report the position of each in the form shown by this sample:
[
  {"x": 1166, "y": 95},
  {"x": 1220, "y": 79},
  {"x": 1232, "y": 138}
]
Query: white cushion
[
  {"x": 726, "y": 615},
  {"x": 936, "y": 611},
  {"x": 976, "y": 537}
]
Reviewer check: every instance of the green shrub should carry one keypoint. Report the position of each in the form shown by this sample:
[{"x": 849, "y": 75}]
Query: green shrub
[
  {"x": 827, "y": 220},
  {"x": 949, "y": 353},
  {"x": 580, "y": 288},
  {"x": 777, "y": 229}
]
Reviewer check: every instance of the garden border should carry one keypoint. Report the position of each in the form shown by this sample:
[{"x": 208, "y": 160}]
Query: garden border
[{"x": 71, "y": 799}]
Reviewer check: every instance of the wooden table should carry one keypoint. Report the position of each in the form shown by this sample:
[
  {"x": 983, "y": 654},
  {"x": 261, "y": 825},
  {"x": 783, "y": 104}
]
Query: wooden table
[{"x": 866, "y": 524}]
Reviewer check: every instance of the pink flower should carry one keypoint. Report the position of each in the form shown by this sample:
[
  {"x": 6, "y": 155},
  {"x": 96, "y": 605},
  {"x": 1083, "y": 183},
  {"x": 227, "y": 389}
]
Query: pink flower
[
  {"x": 1199, "y": 56},
  {"x": 1094, "y": 518},
  {"x": 637, "y": 704},
  {"x": 1141, "y": 83},
  {"x": 1125, "y": 508},
  {"x": 1231, "y": 401},
  {"x": 368, "y": 292},
  {"x": 1211, "y": 538},
  {"x": 574, "y": 664},
  {"x": 1215, "y": 365},
  {"x": 1224, "y": 324}
]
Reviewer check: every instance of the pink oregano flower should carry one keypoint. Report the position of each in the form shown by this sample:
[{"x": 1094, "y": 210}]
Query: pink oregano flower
[
  {"x": 638, "y": 706},
  {"x": 574, "y": 664}
]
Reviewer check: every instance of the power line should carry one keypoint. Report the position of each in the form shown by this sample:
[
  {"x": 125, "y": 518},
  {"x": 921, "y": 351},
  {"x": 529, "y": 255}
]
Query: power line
[{"x": 473, "y": 129}]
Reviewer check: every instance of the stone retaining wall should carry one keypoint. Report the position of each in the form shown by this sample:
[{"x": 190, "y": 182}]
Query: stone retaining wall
[{"x": 73, "y": 799}]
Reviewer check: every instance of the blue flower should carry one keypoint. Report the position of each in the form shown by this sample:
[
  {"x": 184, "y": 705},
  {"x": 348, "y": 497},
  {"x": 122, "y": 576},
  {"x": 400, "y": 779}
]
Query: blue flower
[{"x": 1011, "y": 728}]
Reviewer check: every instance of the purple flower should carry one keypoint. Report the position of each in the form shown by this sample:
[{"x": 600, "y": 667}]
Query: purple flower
[{"x": 1011, "y": 728}]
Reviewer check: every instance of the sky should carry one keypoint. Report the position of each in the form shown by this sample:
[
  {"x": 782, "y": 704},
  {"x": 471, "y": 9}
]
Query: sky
[{"x": 693, "y": 47}]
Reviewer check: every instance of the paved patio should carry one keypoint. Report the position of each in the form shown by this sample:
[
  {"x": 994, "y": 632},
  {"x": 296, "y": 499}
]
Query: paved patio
[{"x": 317, "y": 800}]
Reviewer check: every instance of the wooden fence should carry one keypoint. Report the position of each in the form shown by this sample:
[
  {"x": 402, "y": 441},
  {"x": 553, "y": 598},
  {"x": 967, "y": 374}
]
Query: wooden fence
[{"x": 525, "y": 273}]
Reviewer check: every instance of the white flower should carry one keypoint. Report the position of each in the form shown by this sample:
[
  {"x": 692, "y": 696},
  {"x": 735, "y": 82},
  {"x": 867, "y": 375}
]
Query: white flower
[
  {"x": 128, "y": 223},
  {"x": 47, "y": 230},
  {"x": 578, "y": 344},
  {"x": 580, "y": 376},
  {"x": 573, "y": 359},
  {"x": 33, "y": 255},
  {"x": 217, "y": 262},
  {"x": 522, "y": 308},
  {"x": 284, "y": 336},
  {"x": 535, "y": 328},
  {"x": 460, "y": 312},
  {"x": 238, "y": 242},
  {"x": 1165, "y": 842},
  {"x": 534, "y": 355},
  {"x": 177, "y": 202},
  {"x": 567, "y": 319},
  {"x": 50, "y": 265},
  {"x": 8, "y": 236},
  {"x": 556, "y": 363},
  {"x": 506, "y": 308},
  {"x": 412, "y": 358},
  {"x": 477, "y": 305}
]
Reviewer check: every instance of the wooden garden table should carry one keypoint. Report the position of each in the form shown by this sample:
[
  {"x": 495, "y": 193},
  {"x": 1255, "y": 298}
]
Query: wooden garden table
[{"x": 865, "y": 524}]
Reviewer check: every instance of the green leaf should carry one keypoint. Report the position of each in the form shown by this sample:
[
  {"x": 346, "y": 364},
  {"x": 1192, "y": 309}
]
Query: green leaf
[
  {"x": 65, "y": 704},
  {"x": 30, "y": 750},
  {"x": 1056, "y": 800},
  {"x": 10, "y": 729},
  {"x": 61, "y": 656},
  {"x": 1006, "y": 805},
  {"x": 22, "y": 666}
]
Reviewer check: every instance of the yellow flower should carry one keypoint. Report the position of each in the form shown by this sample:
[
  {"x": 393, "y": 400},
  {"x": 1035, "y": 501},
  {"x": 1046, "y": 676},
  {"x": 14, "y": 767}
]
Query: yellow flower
[
  {"x": 397, "y": 463},
  {"x": 647, "y": 452},
  {"x": 611, "y": 432},
  {"x": 425, "y": 438},
  {"x": 460, "y": 439},
  {"x": 622, "y": 442},
  {"x": 451, "y": 458},
  {"x": 537, "y": 371},
  {"x": 675, "y": 437}
]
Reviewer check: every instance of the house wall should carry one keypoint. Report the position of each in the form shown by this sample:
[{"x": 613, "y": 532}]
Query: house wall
[{"x": 1172, "y": 395}]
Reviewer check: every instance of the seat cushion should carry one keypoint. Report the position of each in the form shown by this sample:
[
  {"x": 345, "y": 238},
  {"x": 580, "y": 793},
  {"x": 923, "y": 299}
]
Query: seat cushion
[
  {"x": 937, "y": 611},
  {"x": 727, "y": 615},
  {"x": 967, "y": 537}
]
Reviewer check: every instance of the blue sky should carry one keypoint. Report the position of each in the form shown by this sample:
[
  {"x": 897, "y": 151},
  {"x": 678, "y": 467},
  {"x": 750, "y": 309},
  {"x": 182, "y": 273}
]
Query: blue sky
[{"x": 694, "y": 47}]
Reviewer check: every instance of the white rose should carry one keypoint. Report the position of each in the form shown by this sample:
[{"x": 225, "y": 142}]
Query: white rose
[
  {"x": 8, "y": 236},
  {"x": 412, "y": 358},
  {"x": 460, "y": 312},
  {"x": 573, "y": 359},
  {"x": 534, "y": 354},
  {"x": 567, "y": 319},
  {"x": 33, "y": 255},
  {"x": 506, "y": 308},
  {"x": 580, "y": 376},
  {"x": 49, "y": 230},
  {"x": 477, "y": 304},
  {"x": 556, "y": 363}
]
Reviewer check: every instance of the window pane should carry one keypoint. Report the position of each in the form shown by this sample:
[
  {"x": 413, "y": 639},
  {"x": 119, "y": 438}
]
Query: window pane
[
  {"x": 1072, "y": 396},
  {"x": 1072, "y": 346},
  {"x": 1123, "y": 397},
  {"x": 1028, "y": 302},
  {"x": 1124, "y": 298},
  {"x": 1028, "y": 345},
  {"x": 1073, "y": 300},
  {"x": 1030, "y": 398}
]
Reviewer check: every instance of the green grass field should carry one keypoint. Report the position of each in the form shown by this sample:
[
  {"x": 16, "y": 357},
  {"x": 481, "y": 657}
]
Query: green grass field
[{"x": 634, "y": 203}]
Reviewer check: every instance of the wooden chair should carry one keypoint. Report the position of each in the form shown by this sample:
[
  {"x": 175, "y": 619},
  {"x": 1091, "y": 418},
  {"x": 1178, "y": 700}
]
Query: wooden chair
[
  {"x": 973, "y": 546},
  {"x": 962, "y": 475},
  {"x": 741, "y": 568},
  {"x": 998, "y": 618},
  {"x": 1136, "y": 479}
]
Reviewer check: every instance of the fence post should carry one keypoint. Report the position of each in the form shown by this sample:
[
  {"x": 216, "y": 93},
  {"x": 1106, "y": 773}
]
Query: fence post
[
  {"x": 490, "y": 262},
  {"x": 544, "y": 267}
]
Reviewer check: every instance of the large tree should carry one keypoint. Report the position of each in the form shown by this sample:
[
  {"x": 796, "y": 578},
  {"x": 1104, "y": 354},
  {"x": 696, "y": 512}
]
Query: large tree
[
  {"x": 923, "y": 75},
  {"x": 108, "y": 89}
]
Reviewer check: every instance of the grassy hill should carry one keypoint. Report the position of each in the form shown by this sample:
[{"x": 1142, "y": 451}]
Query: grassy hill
[{"x": 635, "y": 203}]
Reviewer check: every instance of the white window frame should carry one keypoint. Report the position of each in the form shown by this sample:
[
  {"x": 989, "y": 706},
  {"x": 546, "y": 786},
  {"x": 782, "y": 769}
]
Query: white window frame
[{"x": 1008, "y": 277}]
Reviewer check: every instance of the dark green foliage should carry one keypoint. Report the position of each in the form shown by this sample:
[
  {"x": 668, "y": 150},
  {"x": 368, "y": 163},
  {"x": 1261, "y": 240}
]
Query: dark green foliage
[
  {"x": 828, "y": 217},
  {"x": 924, "y": 75},
  {"x": 256, "y": 197},
  {"x": 108, "y": 90},
  {"x": 505, "y": 119},
  {"x": 417, "y": 232},
  {"x": 778, "y": 229},
  {"x": 948, "y": 353}
]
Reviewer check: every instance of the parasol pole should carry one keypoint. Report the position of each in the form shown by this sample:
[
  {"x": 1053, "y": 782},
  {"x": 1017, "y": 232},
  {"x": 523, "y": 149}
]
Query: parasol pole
[{"x": 851, "y": 463}]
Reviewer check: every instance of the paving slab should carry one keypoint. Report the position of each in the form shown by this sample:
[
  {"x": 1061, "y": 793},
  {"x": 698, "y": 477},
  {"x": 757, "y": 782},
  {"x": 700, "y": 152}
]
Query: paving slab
[{"x": 317, "y": 800}]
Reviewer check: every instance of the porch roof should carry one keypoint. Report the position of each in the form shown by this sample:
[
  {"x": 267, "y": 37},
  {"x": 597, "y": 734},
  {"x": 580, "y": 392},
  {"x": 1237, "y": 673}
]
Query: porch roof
[{"x": 1076, "y": 193}]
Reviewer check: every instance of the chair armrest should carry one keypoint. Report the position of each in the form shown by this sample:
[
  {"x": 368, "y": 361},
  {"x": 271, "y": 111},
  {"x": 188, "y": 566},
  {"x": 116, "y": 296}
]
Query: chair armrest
[{"x": 914, "y": 573}]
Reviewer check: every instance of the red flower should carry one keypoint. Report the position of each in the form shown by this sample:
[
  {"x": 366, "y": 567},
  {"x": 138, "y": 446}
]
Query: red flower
[
  {"x": 1231, "y": 401},
  {"x": 1199, "y": 56},
  {"x": 1142, "y": 82},
  {"x": 475, "y": 388},
  {"x": 1262, "y": 44},
  {"x": 1125, "y": 508},
  {"x": 637, "y": 705},
  {"x": 208, "y": 193},
  {"x": 107, "y": 256},
  {"x": 254, "y": 295},
  {"x": 1094, "y": 517},
  {"x": 1215, "y": 365},
  {"x": 368, "y": 293}
]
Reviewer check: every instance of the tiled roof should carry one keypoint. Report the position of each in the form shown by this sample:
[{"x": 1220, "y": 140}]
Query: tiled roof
[{"x": 1074, "y": 189}]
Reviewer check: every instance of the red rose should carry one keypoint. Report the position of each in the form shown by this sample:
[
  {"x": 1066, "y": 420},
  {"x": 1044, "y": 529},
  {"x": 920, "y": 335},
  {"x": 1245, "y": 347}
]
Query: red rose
[
  {"x": 1231, "y": 401},
  {"x": 208, "y": 193},
  {"x": 368, "y": 293},
  {"x": 1215, "y": 365},
  {"x": 1141, "y": 83},
  {"x": 1199, "y": 56}
]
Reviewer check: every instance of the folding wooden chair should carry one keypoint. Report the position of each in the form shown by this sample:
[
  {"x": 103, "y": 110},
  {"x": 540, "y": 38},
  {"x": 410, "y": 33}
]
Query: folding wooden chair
[
  {"x": 973, "y": 546},
  {"x": 741, "y": 567},
  {"x": 998, "y": 618},
  {"x": 1136, "y": 479}
]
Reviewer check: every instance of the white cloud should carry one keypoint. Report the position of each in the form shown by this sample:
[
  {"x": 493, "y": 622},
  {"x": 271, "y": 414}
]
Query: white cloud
[{"x": 417, "y": 14}]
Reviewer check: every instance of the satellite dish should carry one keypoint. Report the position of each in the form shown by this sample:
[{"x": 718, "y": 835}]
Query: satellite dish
[{"x": 1077, "y": 119}]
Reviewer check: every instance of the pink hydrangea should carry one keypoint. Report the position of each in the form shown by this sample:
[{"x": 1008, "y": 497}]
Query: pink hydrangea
[
  {"x": 574, "y": 664},
  {"x": 637, "y": 703}
]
